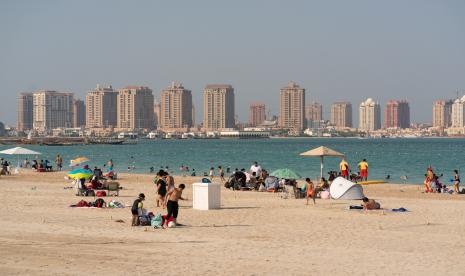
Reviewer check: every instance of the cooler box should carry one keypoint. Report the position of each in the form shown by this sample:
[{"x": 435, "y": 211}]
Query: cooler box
[{"x": 206, "y": 196}]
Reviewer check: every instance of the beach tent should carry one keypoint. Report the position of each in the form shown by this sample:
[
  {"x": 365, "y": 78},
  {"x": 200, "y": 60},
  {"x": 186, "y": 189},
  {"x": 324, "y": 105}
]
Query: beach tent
[
  {"x": 342, "y": 188},
  {"x": 19, "y": 151},
  {"x": 322, "y": 152}
]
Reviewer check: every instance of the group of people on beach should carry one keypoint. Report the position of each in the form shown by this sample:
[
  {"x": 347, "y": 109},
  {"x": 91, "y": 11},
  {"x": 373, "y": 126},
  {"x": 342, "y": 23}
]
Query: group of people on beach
[
  {"x": 433, "y": 184},
  {"x": 361, "y": 175},
  {"x": 167, "y": 196}
]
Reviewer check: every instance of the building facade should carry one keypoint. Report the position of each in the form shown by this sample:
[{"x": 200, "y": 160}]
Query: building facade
[
  {"x": 458, "y": 112},
  {"x": 397, "y": 114},
  {"x": 135, "y": 108},
  {"x": 442, "y": 113},
  {"x": 52, "y": 109},
  {"x": 101, "y": 107},
  {"x": 314, "y": 115},
  {"x": 370, "y": 115},
  {"x": 176, "y": 107},
  {"x": 219, "y": 106},
  {"x": 257, "y": 114},
  {"x": 341, "y": 115},
  {"x": 292, "y": 107},
  {"x": 25, "y": 111},
  {"x": 79, "y": 113}
]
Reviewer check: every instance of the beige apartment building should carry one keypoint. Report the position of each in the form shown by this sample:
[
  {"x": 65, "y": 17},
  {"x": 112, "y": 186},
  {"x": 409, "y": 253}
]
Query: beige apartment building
[
  {"x": 52, "y": 109},
  {"x": 176, "y": 108},
  {"x": 218, "y": 102},
  {"x": 442, "y": 113},
  {"x": 101, "y": 107},
  {"x": 314, "y": 114},
  {"x": 135, "y": 108},
  {"x": 292, "y": 107},
  {"x": 458, "y": 113},
  {"x": 79, "y": 113},
  {"x": 341, "y": 115},
  {"x": 257, "y": 114},
  {"x": 25, "y": 111},
  {"x": 370, "y": 115}
]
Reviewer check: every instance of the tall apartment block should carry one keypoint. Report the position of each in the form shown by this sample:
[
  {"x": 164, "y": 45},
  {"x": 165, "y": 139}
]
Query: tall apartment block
[
  {"x": 442, "y": 113},
  {"x": 341, "y": 114},
  {"x": 176, "y": 107},
  {"x": 292, "y": 107},
  {"x": 135, "y": 108},
  {"x": 101, "y": 107},
  {"x": 370, "y": 115},
  {"x": 52, "y": 109},
  {"x": 313, "y": 114},
  {"x": 458, "y": 112},
  {"x": 257, "y": 114},
  {"x": 218, "y": 102},
  {"x": 25, "y": 111},
  {"x": 397, "y": 114},
  {"x": 79, "y": 113}
]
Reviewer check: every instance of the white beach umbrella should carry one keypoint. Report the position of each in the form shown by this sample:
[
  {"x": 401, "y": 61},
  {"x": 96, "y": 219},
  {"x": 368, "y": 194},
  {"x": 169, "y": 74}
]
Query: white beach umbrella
[
  {"x": 322, "y": 152},
  {"x": 19, "y": 151}
]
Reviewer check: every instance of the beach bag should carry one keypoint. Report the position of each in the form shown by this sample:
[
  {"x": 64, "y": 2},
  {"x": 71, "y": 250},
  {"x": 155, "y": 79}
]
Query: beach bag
[
  {"x": 101, "y": 193},
  {"x": 82, "y": 203},
  {"x": 99, "y": 203},
  {"x": 90, "y": 193},
  {"x": 157, "y": 221}
]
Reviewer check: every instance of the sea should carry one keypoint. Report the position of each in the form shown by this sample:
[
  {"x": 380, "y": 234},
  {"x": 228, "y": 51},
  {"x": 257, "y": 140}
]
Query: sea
[{"x": 404, "y": 160}]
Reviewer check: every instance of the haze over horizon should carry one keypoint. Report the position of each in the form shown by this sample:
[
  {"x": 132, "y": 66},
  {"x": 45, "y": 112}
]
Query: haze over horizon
[{"x": 336, "y": 50}]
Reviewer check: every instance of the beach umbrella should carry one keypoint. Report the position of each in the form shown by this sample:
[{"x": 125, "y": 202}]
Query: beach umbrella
[
  {"x": 80, "y": 173},
  {"x": 19, "y": 151},
  {"x": 78, "y": 161},
  {"x": 322, "y": 152},
  {"x": 286, "y": 174}
]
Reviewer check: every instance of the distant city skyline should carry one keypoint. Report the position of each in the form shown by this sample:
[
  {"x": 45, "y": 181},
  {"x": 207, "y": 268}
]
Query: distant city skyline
[{"x": 343, "y": 51}]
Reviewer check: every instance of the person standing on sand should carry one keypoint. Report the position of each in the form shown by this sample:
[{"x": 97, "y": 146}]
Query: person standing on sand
[
  {"x": 211, "y": 174},
  {"x": 456, "y": 181},
  {"x": 221, "y": 172},
  {"x": 59, "y": 162},
  {"x": 311, "y": 191},
  {"x": 344, "y": 167},
  {"x": 363, "y": 166},
  {"x": 171, "y": 203},
  {"x": 160, "y": 183}
]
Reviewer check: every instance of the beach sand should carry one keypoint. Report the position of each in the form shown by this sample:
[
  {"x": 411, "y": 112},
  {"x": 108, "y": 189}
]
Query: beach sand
[{"x": 253, "y": 234}]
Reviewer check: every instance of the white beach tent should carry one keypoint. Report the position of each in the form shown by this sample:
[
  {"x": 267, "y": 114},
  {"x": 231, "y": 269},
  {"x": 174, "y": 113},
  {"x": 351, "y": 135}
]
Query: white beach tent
[{"x": 342, "y": 188}]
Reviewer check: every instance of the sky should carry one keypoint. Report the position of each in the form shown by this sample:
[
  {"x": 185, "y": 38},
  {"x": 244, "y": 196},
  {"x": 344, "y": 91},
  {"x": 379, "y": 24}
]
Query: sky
[{"x": 336, "y": 50}]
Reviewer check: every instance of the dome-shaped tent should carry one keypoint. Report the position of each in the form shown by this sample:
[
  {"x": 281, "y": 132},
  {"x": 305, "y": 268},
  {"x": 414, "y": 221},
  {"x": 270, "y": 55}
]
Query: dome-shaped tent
[{"x": 342, "y": 188}]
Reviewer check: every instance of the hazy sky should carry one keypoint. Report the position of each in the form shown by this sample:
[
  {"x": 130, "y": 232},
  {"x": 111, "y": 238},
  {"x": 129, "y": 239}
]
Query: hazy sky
[{"x": 337, "y": 50}]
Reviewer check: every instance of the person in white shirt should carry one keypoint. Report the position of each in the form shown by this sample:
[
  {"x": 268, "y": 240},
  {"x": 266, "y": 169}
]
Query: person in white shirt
[{"x": 255, "y": 168}]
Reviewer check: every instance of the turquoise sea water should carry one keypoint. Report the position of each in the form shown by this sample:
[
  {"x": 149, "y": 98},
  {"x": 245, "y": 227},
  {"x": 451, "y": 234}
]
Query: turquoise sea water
[{"x": 396, "y": 157}]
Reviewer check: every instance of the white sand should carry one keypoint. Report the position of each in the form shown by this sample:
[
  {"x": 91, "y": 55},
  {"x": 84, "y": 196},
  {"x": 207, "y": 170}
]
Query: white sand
[{"x": 253, "y": 234}]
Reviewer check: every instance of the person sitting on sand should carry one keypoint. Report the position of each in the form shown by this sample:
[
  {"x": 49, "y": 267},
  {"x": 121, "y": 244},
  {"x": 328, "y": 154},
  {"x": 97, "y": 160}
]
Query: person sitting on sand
[
  {"x": 136, "y": 209},
  {"x": 171, "y": 203},
  {"x": 370, "y": 204}
]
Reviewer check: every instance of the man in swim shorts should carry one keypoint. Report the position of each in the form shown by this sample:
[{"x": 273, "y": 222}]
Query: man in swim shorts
[{"x": 172, "y": 198}]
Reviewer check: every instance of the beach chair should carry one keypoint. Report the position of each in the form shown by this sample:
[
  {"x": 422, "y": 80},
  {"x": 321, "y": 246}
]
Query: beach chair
[
  {"x": 298, "y": 192},
  {"x": 113, "y": 186}
]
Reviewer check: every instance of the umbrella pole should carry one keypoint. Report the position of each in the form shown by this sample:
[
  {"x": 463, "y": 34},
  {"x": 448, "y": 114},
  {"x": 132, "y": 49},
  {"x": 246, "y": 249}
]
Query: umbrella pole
[{"x": 321, "y": 169}]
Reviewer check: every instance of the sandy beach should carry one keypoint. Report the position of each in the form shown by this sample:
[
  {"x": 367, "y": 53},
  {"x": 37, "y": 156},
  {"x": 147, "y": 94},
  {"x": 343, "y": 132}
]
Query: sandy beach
[{"x": 253, "y": 234}]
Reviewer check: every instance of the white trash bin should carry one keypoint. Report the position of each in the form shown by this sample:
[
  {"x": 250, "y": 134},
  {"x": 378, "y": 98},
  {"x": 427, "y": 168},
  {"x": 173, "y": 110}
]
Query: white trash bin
[{"x": 206, "y": 196}]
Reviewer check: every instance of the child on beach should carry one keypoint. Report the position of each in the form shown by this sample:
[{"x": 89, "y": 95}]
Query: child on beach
[
  {"x": 136, "y": 209},
  {"x": 221, "y": 172},
  {"x": 172, "y": 199},
  {"x": 310, "y": 189}
]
